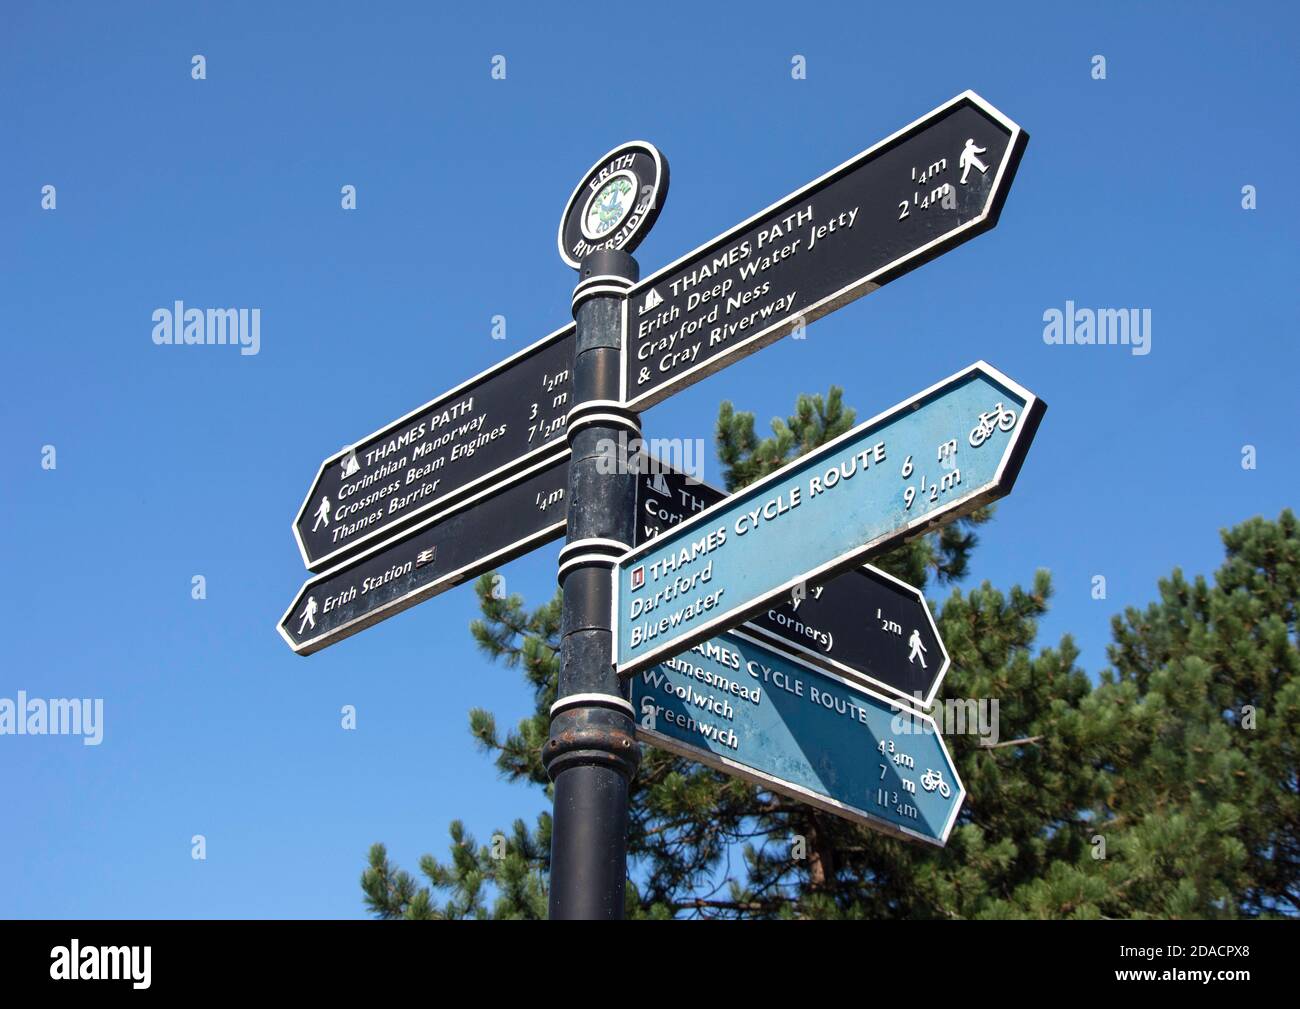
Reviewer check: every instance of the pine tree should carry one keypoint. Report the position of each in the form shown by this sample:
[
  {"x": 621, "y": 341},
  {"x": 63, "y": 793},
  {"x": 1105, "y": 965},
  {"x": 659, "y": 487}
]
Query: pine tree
[{"x": 1167, "y": 790}]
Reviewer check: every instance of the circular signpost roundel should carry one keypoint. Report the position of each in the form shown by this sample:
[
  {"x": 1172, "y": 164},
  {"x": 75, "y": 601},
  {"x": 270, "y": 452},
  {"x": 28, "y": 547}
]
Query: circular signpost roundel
[{"x": 616, "y": 203}]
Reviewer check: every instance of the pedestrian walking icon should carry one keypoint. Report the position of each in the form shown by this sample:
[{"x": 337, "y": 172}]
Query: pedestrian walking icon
[
  {"x": 968, "y": 160},
  {"x": 322, "y": 513},
  {"x": 308, "y": 614},
  {"x": 918, "y": 649}
]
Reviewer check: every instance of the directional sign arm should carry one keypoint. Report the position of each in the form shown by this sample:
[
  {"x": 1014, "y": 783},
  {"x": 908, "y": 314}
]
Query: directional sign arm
[
  {"x": 479, "y": 434},
  {"x": 745, "y": 708},
  {"x": 932, "y": 458},
  {"x": 441, "y": 552},
  {"x": 933, "y": 185},
  {"x": 866, "y": 625}
]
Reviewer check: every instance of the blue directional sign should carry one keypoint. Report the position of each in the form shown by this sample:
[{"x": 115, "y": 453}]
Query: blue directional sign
[
  {"x": 747, "y": 709},
  {"x": 942, "y": 453}
]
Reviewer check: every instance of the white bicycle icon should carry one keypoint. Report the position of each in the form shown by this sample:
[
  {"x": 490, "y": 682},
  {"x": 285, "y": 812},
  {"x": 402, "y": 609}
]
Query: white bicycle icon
[
  {"x": 999, "y": 418},
  {"x": 932, "y": 779}
]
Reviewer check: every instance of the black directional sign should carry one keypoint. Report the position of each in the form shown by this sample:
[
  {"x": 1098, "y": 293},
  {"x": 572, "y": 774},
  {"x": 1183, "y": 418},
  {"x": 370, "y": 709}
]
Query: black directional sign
[
  {"x": 482, "y": 532},
  {"x": 865, "y": 624},
  {"x": 928, "y": 188},
  {"x": 481, "y": 433},
  {"x": 666, "y": 497}
]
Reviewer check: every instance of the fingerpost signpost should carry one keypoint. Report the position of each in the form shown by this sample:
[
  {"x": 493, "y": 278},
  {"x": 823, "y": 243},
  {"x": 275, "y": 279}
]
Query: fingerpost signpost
[{"x": 743, "y": 631}]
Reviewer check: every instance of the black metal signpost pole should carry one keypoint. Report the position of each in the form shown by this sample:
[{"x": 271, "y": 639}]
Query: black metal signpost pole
[{"x": 592, "y": 754}]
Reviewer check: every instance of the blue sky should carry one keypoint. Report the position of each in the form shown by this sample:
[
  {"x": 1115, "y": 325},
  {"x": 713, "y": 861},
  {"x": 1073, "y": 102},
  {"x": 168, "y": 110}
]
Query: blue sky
[{"x": 173, "y": 462}]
